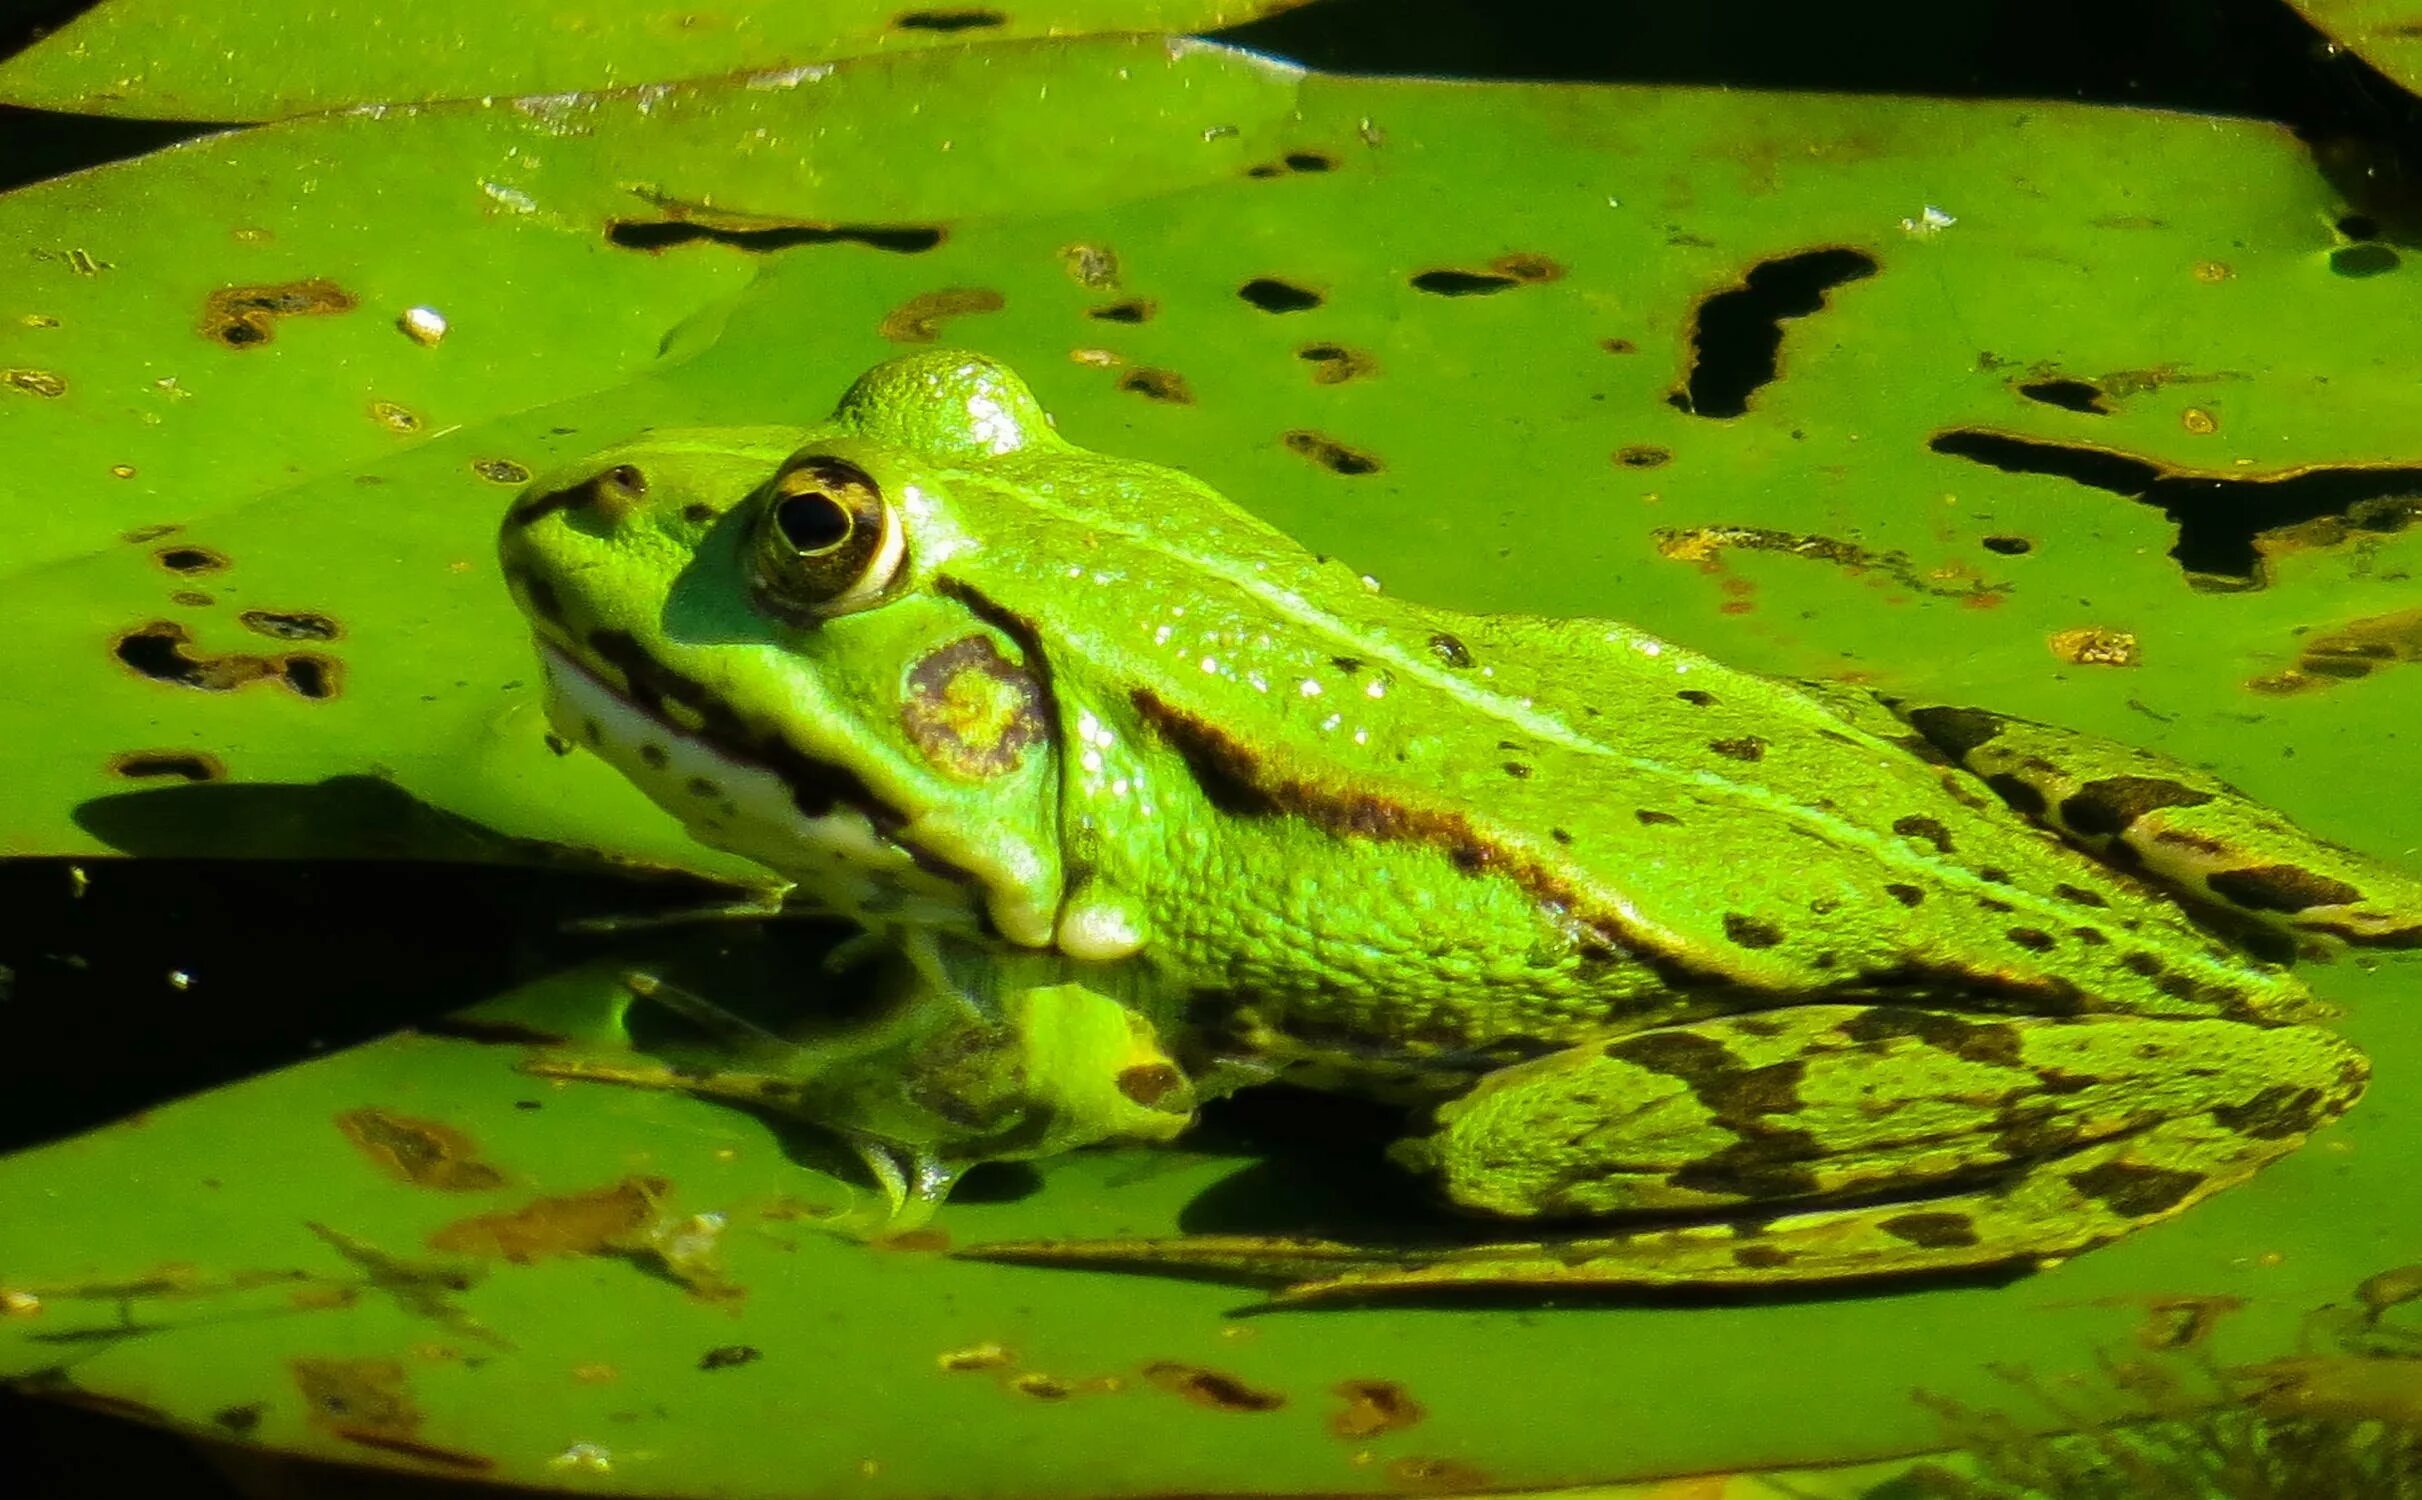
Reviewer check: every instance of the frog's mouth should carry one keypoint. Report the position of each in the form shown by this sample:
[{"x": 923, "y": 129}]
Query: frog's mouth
[{"x": 750, "y": 793}]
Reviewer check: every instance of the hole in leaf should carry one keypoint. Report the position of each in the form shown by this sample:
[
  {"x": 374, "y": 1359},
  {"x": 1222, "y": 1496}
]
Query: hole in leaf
[
  {"x": 656, "y": 235},
  {"x": 1737, "y": 344},
  {"x": 1274, "y": 296}
]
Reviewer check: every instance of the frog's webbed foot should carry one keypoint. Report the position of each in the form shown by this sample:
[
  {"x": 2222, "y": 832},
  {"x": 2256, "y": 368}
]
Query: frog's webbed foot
[
  {"x": 2179, "y": 825},
  {"x": 1820, "y": 1144}
]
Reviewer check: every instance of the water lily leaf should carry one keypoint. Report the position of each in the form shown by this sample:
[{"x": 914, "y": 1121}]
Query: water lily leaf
[
  {"x": 414, "y": 1255},
  {"x": 154, "y": 59},
  {"x": 2385, "y": 33},
  {"x": 1932, "y": 395}
]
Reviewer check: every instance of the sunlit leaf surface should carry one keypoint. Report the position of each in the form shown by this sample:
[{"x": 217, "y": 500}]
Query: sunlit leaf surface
[{"x": 2098, "y": 417}]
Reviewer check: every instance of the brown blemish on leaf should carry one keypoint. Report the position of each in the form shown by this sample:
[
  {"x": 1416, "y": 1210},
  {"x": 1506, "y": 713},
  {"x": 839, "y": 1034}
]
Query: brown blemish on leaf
[
  {"x": 192, "y": 562},
  {"x": 2353, "y": 650},
  {"x": 1644, "y": 456},
  {"x": 1706, "y": 546},
  {"x": 163, "y": 651},
  {"x": 919, "y": 319},
  {"x": 589, "y": 1223},
  {"x": 367, "y": 1401},
  {"x": 1430, "y": 1475},
  {"x": 930, "y": 1240},
  {"x": 151, "y": 533},
  {"x": 971, "y": 712},
  {"x": 1157, "y": 385},
  {"x": 424, "y": 1153},
  {"x": 1211, "y": 1388},
  {"x": 1649, "y": 817},
  {"x": 178, "y": 765},
  {"x": 1330, "y": 454},
  {"x": 1502, "y": 274},
  {"x": 2198, "y": 421},
  {"x": 395, "y": 417},
  {"x": 1089, "y": 265},
  {"x": 962, "y": 18},
  {"x": 1335, "y": 364},
  {"x": 500, "y": 471},
  {"x": 243, "y": 317},
  {"x": 2173, "y": 1323},
  {"x": 1373, "y": 1407},
  {"x": 1272, "y": 295},
  {"x": 295, "y": 625},
  {"x": 2094, "y": 646},
  {"x": 41, "y": 383},
  {"x": 730, "y": 1356},
  {"x": 984, "y": 1356},
  {"x": 1294, "y": 161}
]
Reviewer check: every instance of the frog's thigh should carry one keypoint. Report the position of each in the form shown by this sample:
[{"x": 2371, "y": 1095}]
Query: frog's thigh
[
  {"x": 2042, "y": 1134},
  {"x": 2180, "y": 825}
]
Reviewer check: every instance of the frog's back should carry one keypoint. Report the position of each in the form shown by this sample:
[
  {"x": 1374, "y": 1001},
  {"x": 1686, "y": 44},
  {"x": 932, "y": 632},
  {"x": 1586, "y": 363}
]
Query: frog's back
[{"x": 1730, "y": 828}]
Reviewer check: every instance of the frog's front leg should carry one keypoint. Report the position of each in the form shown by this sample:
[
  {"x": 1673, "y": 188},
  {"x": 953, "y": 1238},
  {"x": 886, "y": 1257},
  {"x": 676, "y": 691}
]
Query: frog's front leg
[
  {"x": 2180, "y": 825},
  {"x": 1960, "y": 1142},
  {"x": 932, "y": 1087}
]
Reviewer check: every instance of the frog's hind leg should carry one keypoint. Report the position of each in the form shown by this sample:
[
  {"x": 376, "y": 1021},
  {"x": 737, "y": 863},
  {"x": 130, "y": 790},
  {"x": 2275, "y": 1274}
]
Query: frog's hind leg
[
  {"x": 1948, "y": 1143},
  {"x": 2181, "y": 826}
]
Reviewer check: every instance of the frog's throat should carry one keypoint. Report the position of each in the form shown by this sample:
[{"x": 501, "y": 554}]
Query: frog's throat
[{"x": 819, "y": 824}]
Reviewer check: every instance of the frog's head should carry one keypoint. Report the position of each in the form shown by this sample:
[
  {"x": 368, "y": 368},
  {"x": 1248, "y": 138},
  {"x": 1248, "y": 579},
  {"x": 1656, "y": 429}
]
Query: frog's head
[{"x": 755, "y": 625}]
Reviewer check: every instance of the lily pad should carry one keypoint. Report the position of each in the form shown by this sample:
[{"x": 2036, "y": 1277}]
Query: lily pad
[
  {"x": 2385, "y": 33},
  {"x": 2095, "y": 416},
  {"x": 155, "y": 59}
]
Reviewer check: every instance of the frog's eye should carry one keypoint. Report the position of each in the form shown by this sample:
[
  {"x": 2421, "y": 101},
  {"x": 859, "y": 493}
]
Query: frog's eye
[{"x": 826, "y": 542}]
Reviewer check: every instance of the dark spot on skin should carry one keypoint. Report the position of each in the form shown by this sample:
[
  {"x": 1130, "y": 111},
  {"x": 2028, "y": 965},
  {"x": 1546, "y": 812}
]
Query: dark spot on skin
[
  {"x": 1211, "y": 1388},
  {"x": 191, "y": 561},
  {"x": 1644, "y": 456},
  {"x": 1335, "y": 364},
  {"x": 654, "y": 236},
  {"x": 2115, "y": 802},
  {"x": 1517, "y": 770},
  {"x": 1697, "y": 696},
  {"x": 1749, "y": 932},
  {"x": 1918, "y": 827},
  {"x": 654, "y": 756},
  {"x": 1746, "y": 748},
  {"x": 1274, "y": 296},
  {"x": 919, "y": 320},
  {"x": 2009, "y": 546},
  {"x": 1955, "y": 731},
  {"x": 2092, "y": 937},
  {"x": 163, "y": 651},
  {"x": 500, "y": 471},
  {"x": 2276, "y": 1114},
  {"x": 1931, "y": 1231},
  {"x": 240, "y": 1420},
  {"x": 1329, "y": 453},
  {"x": 245, "y": 317},
  {"x": 2021, "y": 796},
  {"x": 2134, "y": 1191},
  {"x": 1906, "y": 895},
  {"x": 2280, "y": 888},
  {"x": 2034, "y": 939},
  {"x": 1761, "y": 1257},
  {"x": 2141, "y": 963},
  {"x": 1346, "y": 664},
  {"x": 699, "y": 513},
  {"x": 971, "y": 712},
  {"x": 948, "y": 20},
  {"x": 192, "y": 599},
  {"x": 296, "y": 626},
  {"x": 1157, "y": 385},
  {"x": 1737, "y": 339},
  {"x": 1560, "y": 836},
  {"x": 179, "y": 765},
  {"x": 1127, "y": 310},
  {"x": 1987, "y": 903},
  {"x": 1148, "y": 1084},
  {"x": 2069, "y": 395},
  {"x": 2078, "y": 896},
  {"x": 1993, "y": 1043},
  {"x": 1450, "y": 650},
  {"x": 1993, "y": 874},
  {"x": 729, "y": 1356}
]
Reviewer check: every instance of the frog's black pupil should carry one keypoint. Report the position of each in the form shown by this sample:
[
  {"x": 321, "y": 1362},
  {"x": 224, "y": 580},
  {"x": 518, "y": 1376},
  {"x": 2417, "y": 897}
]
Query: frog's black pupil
[{"x": 812, "y": 522}]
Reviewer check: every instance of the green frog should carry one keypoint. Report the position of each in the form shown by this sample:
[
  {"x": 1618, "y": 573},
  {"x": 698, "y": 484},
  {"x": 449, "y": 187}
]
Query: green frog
[{"x": 1686, "y": 976}]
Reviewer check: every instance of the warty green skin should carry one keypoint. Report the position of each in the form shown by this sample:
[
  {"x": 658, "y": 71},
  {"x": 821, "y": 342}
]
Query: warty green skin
[{"x": 1292, "y": 821}]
